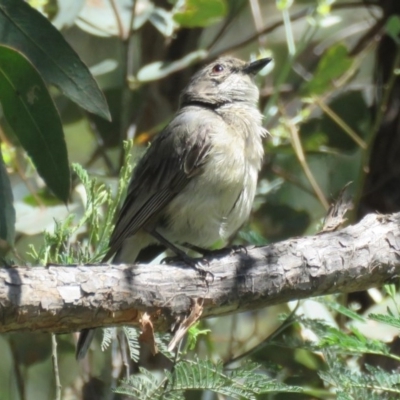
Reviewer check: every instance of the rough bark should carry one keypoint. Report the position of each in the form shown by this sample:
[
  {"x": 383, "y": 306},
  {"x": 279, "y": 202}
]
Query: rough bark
[{"x": 69, "y": 298}]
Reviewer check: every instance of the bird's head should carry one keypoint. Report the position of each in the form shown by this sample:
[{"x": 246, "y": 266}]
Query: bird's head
[{"x": 224, "y": 81}]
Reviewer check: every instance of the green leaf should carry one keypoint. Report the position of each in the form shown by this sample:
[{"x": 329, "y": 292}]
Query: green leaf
[
  {"x": 194, "y": 333},
  {"x": 7, "y": 212},
  {"x": 352, "y": 344},
  {"x": 390, "y": 289},
  {"x": 108, "y": 336},
  {"x": 162, "y": 340},
  {"x": 342, "y": 310},
  {"x": 145, "y": 386},
  {"x": 201, "y": 13},
  {"x": 332, "y": 65},
  {"x": 392, "y": 28},
  {"x": 32, "y": 115},
  {"x": 245, "y": 382},
  {"x": 132, "y": 337},
  {"x": 25, "y": 29},
  {"x": 349, "y": 383},
  {"x": 160, "y": 69},
  {"x": 284, "y": 4},
  {"x": 386, "y": 319}
]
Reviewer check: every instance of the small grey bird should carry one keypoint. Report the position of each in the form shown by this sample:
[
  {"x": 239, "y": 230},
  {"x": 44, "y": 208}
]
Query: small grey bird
[{"x": 196, "y": 183}]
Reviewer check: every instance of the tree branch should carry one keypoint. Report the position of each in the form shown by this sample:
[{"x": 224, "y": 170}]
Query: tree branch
[{"x": 68, "y": 298}]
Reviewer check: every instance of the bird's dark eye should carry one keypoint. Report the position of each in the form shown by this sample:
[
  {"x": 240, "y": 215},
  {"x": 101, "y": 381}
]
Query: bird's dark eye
[{"x": 217, "y": 68}]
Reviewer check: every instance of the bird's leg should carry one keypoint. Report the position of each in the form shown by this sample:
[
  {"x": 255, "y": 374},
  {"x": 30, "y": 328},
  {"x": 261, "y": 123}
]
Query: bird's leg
[
  {"x": 180, "y": 253},
  {"x": 197, "y": 249},
  {"x": 237, "y": 248}
]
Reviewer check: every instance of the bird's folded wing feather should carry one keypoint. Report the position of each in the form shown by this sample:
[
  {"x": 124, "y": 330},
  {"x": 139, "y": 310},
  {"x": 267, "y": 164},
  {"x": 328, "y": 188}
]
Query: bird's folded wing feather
[{"x": 175, "y": 156}]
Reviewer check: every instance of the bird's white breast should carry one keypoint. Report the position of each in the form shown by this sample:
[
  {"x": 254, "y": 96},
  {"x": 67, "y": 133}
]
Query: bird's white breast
[{"x": 221, "y": 197}]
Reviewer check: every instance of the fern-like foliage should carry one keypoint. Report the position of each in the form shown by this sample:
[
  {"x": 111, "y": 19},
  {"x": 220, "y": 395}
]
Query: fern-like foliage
[
  {"x": 144, "y": 386},
  {"x": 388, "y": 319},
  {"x": 245, "y": 382},
  {"x": 162, "y": 340},
  {"x": 108, "y": 337},
  {"x": 353, "y": 342},
  {"x": 61, "y": 246},
  {"x": 132, "y": 337},
  {"x": 350, "y": 384}
]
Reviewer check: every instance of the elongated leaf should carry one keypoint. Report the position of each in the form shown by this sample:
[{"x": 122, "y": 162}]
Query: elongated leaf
[
  {"x": 25, "y": 29},
  {"x": 200, "y": 13},
  {"x": 7, "y": 212},
  {"x": 67, "y": 13},
  {"x": 159, "y": 69},
  {"x": 31, "y": 113},
  {"x": 392, "y": 28}
]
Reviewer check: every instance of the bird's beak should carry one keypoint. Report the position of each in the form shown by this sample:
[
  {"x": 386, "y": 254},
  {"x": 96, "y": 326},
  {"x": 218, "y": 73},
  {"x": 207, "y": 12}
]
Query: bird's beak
[{"x": 256, "y": 66}]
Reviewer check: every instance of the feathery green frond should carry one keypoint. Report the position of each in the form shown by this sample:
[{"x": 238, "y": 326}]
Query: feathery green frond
[
  {"x": 108, "y": 337},
  {"x": 132, "y": 337}
]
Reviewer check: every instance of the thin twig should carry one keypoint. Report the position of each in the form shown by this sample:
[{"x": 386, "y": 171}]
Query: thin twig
[
  {"x": 225, "y": 26},
  {"x": 234, "y": 321},
  {"x": 100, "y": 150},
  {"x": 56, "y": 371},
  {"x": 256, "y": 14},
  {"x": 285, "y": 324},
  {"x": 130, "y": 56},
  {"x": 17, "y": 364},
  {"x": 294, "y": 134},
  {"x": 289, "y": 32},
  {"x": 124, "y": 352},
  {"x": 118, "y": 19},
  {"x": 290, "y": 178},
  {"x": 339, "y": 121},
  {"x": 255, "y": 36},
  {"x": 283, "y": 74},
  {"x": 175, "y": 361}
]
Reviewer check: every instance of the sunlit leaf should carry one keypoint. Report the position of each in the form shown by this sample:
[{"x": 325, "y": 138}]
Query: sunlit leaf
[
  {"x": 392, "y": 28},
  {"x": 163, "y": 21},
  {"x": 334, "y": 63},
  {"x": 159, "y": 69},
  {"x": 30, "y": 111},
  {"x": 284, "y": 4},
  {"x": 67, "y": 12},
  {"x": 342, "y": 310},
  {"x": 25, "y": 29},
  {"x": 201, "y": 13}
]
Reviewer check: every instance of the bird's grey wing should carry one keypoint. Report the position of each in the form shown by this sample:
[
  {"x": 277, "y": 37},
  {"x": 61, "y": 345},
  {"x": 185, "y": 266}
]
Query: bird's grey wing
[{"x": 176, "y": 155}]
